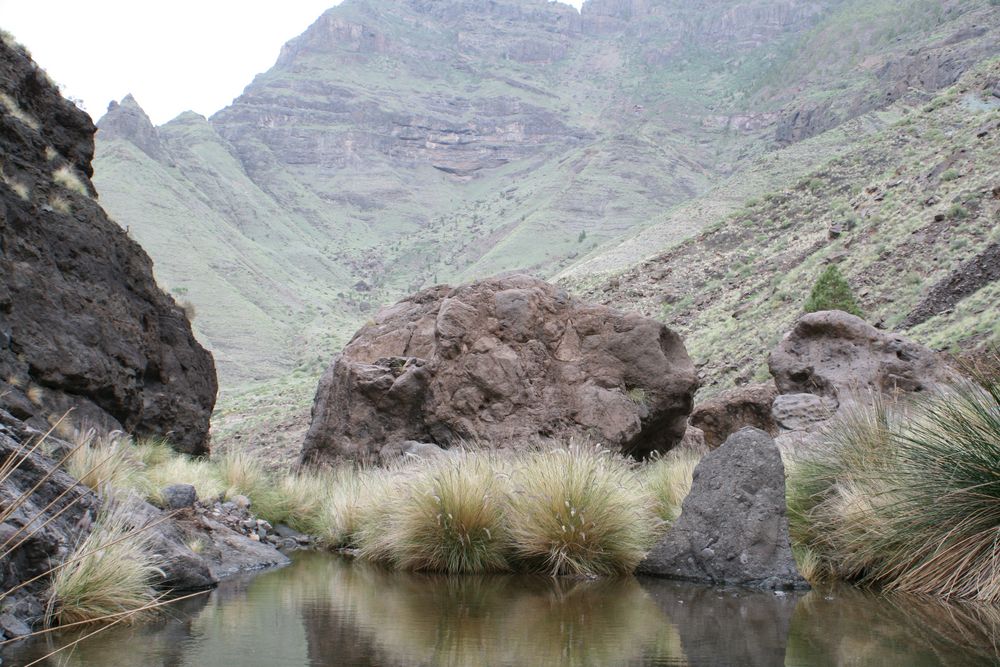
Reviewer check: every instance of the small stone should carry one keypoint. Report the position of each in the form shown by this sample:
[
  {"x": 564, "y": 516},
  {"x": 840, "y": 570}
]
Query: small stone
[
  {"x": 13, "y": 626},
  {"x": 241, "y": 501},
  {"x": 255, "y": 537},
  {"x": 179, "y": 496}
]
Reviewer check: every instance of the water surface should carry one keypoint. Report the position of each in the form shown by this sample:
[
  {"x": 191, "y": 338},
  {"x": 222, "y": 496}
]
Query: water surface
[{"x": 323, "y": 610}]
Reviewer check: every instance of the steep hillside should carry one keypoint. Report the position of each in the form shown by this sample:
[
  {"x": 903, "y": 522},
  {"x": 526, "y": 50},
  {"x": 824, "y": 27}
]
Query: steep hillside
[
  {"x": 396, "y": 144},
  {"x": 911, "y": 216}
]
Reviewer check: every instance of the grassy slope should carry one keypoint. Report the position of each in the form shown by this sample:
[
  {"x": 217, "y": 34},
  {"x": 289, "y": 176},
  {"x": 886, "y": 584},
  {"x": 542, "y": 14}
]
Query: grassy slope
[{"x": 917, "y": 200}]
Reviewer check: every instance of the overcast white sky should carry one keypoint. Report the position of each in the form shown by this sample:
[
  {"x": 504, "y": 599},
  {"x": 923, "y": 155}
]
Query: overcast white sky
[{"x": 174, "y": 56}]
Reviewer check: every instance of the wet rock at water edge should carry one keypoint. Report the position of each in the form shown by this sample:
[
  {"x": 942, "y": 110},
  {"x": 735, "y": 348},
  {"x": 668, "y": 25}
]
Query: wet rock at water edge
[{"x": 733, "y": 527}]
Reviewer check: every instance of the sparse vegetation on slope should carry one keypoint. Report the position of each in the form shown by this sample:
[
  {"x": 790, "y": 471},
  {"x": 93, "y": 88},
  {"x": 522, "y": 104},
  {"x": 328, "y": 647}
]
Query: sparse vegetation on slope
[{"x": 881, "y": 212}]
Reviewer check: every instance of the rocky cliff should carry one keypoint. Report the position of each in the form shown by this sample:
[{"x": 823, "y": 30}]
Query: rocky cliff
[{"x": 83, "y": 324}]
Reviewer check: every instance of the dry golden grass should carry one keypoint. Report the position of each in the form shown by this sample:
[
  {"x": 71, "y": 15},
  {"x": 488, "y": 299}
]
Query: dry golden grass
[
  {"x": 68, "y": 178},
  {"x": 110, "y": 572}
]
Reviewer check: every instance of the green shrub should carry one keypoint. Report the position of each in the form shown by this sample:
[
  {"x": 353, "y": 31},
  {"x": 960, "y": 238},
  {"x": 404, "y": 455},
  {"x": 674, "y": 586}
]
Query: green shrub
[{"x": 831, "y": 292}]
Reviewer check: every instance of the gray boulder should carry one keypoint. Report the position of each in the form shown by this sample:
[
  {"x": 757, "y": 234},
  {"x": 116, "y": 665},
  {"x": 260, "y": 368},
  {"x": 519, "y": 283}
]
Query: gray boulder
[
  {"x": 733, "y": 528},
  {"x": 837, "y": 355}
]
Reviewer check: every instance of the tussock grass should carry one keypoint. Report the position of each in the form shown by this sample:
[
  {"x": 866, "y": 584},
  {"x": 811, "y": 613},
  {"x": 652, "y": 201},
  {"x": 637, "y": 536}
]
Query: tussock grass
[
  {"x": 668, "y": 479},
  {"x": 908, "y": 498},
  {"x": 454, "y": 519},
  {"x": 180, "y": 469},
  {"x": 15, "y": 110},
  {"x": 110, "y": 572},
  {"x": 69, "y": 179},
  {"x": 103, "y": 461},
  {"x": 60, "y": 204},
  {"x": 579, "y": 510}
]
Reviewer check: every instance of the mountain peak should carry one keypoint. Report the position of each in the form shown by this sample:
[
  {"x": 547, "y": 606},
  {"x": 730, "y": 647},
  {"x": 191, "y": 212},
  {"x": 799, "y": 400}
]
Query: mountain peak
[{"x": 127, "y": 120}]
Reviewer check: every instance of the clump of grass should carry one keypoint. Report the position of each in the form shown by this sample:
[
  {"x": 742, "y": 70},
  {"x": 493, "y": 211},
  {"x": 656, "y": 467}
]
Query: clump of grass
[
  {"x": 179, "y": 469},
  {"x": 109, "y": 573},
  {"x": 668, "y": 480},
  {"x": 68, "y": 178},
  {"x": 579, "y": 510},
  {"x": 104, "y": 461},
  {"x": 242, "y": 474},
  {"x": 60, "y": 204},
  {"x": 15, "y": 110},
  {"x": 909, "y": 503},
  {"x": 454, "y": 520}
]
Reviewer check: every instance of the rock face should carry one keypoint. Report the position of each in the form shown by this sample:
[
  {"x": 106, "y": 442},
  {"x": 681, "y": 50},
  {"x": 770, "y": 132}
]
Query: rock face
[
  {"x": 733, "y": 528},
  {"x": 835, "y": 355},
  {"x": 723, "y": 415},
  {"x": 800, "y": 412},
  {"x": 502, "y": 361},
  {"x": 82, "y": 323}
]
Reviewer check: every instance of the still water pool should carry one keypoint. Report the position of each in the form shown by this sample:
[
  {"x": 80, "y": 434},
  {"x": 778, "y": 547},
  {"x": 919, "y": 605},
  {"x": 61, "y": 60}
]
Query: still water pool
[{"x": 324, "y": 610}]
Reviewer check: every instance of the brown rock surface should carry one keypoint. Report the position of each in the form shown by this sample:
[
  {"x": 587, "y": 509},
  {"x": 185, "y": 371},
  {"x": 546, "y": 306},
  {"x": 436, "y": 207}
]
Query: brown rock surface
[
  {"x": 833, "y": 354},
  {"x": 723, "y": 415},
  {"x": 82, "y": 321},
  {"x": 503, "y": 361}
]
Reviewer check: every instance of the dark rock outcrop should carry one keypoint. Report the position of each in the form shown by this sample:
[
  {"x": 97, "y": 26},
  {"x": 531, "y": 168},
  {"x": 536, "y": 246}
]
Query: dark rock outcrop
[
  {"x": 722, "y": 415},
  {"x": 733, "y": 528},
  {"x": 82, "y": 321},
  {"x": 837, "y": 355},
  {"x": 45, "y": 513},
  {"x": 503, "y": 361},
  {"x": 967, "y": 279}
]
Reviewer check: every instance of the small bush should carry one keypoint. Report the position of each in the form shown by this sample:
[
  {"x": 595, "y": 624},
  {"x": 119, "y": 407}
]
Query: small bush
[
  {"x": 831, "y": 292},
  {"x": 958, "y": 212},
  {"x": 104, "y": 461},
  {"x": 184, "y": 470},
  {"x": 950, "y": 175},
  {"x": 242, "y": 474},
  {"x": 15, "y": 110},
  {"x": 60, "y": 204},
  {"x": 579, "y": 510}
]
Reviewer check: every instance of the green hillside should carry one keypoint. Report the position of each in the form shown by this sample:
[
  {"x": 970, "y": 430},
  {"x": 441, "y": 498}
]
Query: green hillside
[{"x": 398, "y": 144}]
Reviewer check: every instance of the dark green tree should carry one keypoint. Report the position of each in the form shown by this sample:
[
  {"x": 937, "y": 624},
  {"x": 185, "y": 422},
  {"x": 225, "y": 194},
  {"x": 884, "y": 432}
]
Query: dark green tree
[{"x": 831, "y": 292}]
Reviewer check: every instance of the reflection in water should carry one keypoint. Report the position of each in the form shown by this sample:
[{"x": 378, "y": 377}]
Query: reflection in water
[{"x": 323, "y": 610}]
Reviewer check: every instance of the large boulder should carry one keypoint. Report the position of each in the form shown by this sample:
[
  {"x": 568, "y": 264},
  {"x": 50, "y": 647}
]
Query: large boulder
[
  {"x": 837, "y": 355},
  {"x": 83, "y": 324},
  {"x": 505, "y": 362},
  {"x": 722, "y": 415},
  {"x": 733, "y": 528}
]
